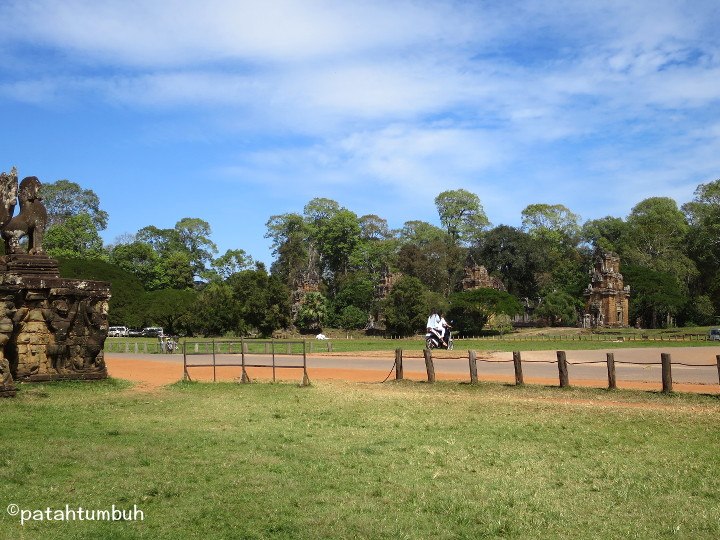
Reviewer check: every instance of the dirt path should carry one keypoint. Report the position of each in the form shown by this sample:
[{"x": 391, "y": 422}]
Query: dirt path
[{"x": 153, "y": 371}]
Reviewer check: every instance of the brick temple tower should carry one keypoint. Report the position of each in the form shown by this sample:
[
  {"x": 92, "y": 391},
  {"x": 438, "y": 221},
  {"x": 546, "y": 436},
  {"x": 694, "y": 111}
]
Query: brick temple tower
[{"x": 607, "y": 297}]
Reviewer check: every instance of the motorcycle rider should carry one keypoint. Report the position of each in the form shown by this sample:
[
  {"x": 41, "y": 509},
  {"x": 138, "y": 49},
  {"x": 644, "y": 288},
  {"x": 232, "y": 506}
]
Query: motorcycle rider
[
  {"x": 434, "y": 325},
  {"x": 437, "y": 325},
  {"x": 444, "y": 327}
]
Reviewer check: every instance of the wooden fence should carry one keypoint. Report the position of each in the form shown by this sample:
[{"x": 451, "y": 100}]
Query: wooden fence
[{"x": 562, "y": 363}]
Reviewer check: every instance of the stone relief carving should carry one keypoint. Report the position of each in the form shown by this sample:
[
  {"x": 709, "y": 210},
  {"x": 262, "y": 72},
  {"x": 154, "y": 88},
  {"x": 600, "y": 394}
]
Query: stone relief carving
[
  {"x": 7, "y": 310},
  {"x": 50, "y": 327}
]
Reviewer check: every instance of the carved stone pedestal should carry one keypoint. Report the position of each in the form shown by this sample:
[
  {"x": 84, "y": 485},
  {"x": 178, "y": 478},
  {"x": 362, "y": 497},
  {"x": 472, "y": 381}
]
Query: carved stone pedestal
[
  {"x": 7, "y": 386},
  {"x": 51, "y": 328}
]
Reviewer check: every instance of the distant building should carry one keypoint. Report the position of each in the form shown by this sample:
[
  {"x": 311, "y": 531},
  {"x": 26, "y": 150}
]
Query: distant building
[
  {"x": 607, "y": 297},
  {"x": 387, "y": 281},
  {"x": 477, "y": 277}
]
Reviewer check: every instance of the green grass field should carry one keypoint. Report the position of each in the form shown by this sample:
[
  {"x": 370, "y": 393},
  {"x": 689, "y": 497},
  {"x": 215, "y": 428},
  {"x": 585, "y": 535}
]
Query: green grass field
[{"x": 342, "y": 460}]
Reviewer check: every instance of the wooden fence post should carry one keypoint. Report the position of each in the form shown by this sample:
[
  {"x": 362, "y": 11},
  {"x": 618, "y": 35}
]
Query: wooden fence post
[
  {"x": 429, "y": 365},
  {"x": 717, "y": 358},
  {"x": 517, "y": 362},
  {"x": 612, "y": 383},
  {"x": 398, "y": 365},
  {"x": 472, "y": 358},
  {"x": 562, "y": 369},
  {"x": 243, "y": 374},
  {"x": 666, "y": 372}
]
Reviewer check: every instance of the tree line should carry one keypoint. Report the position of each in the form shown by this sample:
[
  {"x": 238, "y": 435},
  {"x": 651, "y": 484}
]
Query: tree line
[{"x": 329, "y": 265}]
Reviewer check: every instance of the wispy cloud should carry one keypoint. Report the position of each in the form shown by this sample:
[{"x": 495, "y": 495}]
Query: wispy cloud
[{"x": 588, "y": 104}]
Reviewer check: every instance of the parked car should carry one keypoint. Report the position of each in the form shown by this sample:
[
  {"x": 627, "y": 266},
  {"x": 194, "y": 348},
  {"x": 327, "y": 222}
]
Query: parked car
[
  {"x": 152, "y": 331},
  {"x": 118, "y": 331},
  {"x": 134, "y": 332},
  {"x": 714, "y": 334}
]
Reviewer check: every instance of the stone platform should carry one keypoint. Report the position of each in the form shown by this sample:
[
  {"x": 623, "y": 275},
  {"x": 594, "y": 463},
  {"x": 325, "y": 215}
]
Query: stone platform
[{"x": 51, "y": 327}]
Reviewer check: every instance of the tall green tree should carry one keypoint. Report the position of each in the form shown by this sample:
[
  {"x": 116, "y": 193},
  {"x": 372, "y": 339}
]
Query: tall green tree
[
  {"x": 656, "y": 297},
  {"x": 470, "y": 310},
  {"x": 290, "y": 235},
  {"x": 656, "y": 238},
  {"x": 373, "y": 227},
  {"x": 263, "y": 301},
  {"x": 231, "y": 262},
  {"x": 194, "y": 235},
  {"x": 216, "y": 312},
  {"x": 514, "y": 256},
  {"x": 420, "y": 233},
  {"x": 312, "y": 313},
  {"x": 406, "y": 308},
  {"x": 337, "y": 237},
  {"x": 319, "y": 210},
  {"x": 556, "y": 231},
  {"x": 190, "y": 237},
  {"x": 558, "y": 308},
  {"x": 553, "y": 224},
  {"x": 462, "y": 214},
  {"x": 140, "y": 259},
  {"x": 75, "y": 236},
  {"x": 703, "y": 240},
  {"x": 171, "y": 309},
  {"x": 606, "y": 234},
  {"x": 65, "y": 199}
]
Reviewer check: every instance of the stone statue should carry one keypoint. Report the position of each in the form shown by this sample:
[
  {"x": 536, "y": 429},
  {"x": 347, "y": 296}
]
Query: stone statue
[
  {"x": 30, "y": 222},
  {"x": 7, "y": 309},
  {"x": 50, "y": 327},
  {"x": 60, "y": 318},
  {"x": 8, "y": 196}
]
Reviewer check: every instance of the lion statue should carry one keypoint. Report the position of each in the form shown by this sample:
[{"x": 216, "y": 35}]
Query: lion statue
[{"x": 30, "y": 222}]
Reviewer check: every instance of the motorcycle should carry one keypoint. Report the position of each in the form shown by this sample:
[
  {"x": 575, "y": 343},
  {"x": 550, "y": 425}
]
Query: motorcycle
[{"x": 433, "y": 341}]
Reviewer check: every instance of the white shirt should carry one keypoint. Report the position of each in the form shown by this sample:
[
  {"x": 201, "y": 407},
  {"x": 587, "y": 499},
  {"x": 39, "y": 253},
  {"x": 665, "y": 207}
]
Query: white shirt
[{"x": 433, "y": 321}]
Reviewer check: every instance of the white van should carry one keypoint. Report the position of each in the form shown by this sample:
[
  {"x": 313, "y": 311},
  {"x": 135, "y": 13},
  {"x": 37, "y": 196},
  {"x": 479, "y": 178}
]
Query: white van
[{"x": 118, "y": 331}]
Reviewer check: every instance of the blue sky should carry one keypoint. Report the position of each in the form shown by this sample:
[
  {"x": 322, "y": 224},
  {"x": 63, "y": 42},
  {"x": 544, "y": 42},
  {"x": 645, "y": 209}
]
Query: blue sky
[{"x": 232, "y": 111}]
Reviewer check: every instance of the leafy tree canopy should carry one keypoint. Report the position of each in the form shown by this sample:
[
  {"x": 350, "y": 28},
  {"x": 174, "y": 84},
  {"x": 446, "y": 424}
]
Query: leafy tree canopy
[
  {"x": 312, "y": 313},
  {"x": 406, "y": 308},
  {"x": 65, "y": 199},
  {"x": 461, "y": 214},
  {"x": 126, "y": 303},
  {"x": 558, "y": 308},
  {"x": 470, "y": 310},
  {"x": 74, "y": 236},
  {"x": 656, "y": 297},
  {"x": 554, "y": 225}
]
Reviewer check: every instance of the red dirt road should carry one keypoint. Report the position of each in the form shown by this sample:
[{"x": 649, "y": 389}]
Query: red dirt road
[{"x": 153, "y": 371}]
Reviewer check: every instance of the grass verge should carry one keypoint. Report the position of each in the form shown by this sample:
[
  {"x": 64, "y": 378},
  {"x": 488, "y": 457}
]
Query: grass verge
[{"x": 342, "y": 460}]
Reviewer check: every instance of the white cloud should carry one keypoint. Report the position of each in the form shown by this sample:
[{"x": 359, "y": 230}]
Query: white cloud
[
  {"x": 519, "y": 101},
  {"x": 181, "y": 32}
]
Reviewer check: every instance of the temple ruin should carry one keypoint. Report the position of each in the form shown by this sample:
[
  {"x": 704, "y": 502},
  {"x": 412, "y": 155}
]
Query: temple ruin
[
  {"x": 387, "y": 281},
  {"x": 477, "y": 277},
  {"x": 606, "y": 297},
  {"x": 50, "y": 328}
]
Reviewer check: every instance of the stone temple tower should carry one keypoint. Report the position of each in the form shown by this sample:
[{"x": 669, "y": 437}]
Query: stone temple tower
[{"x": 607, "y": 297}]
